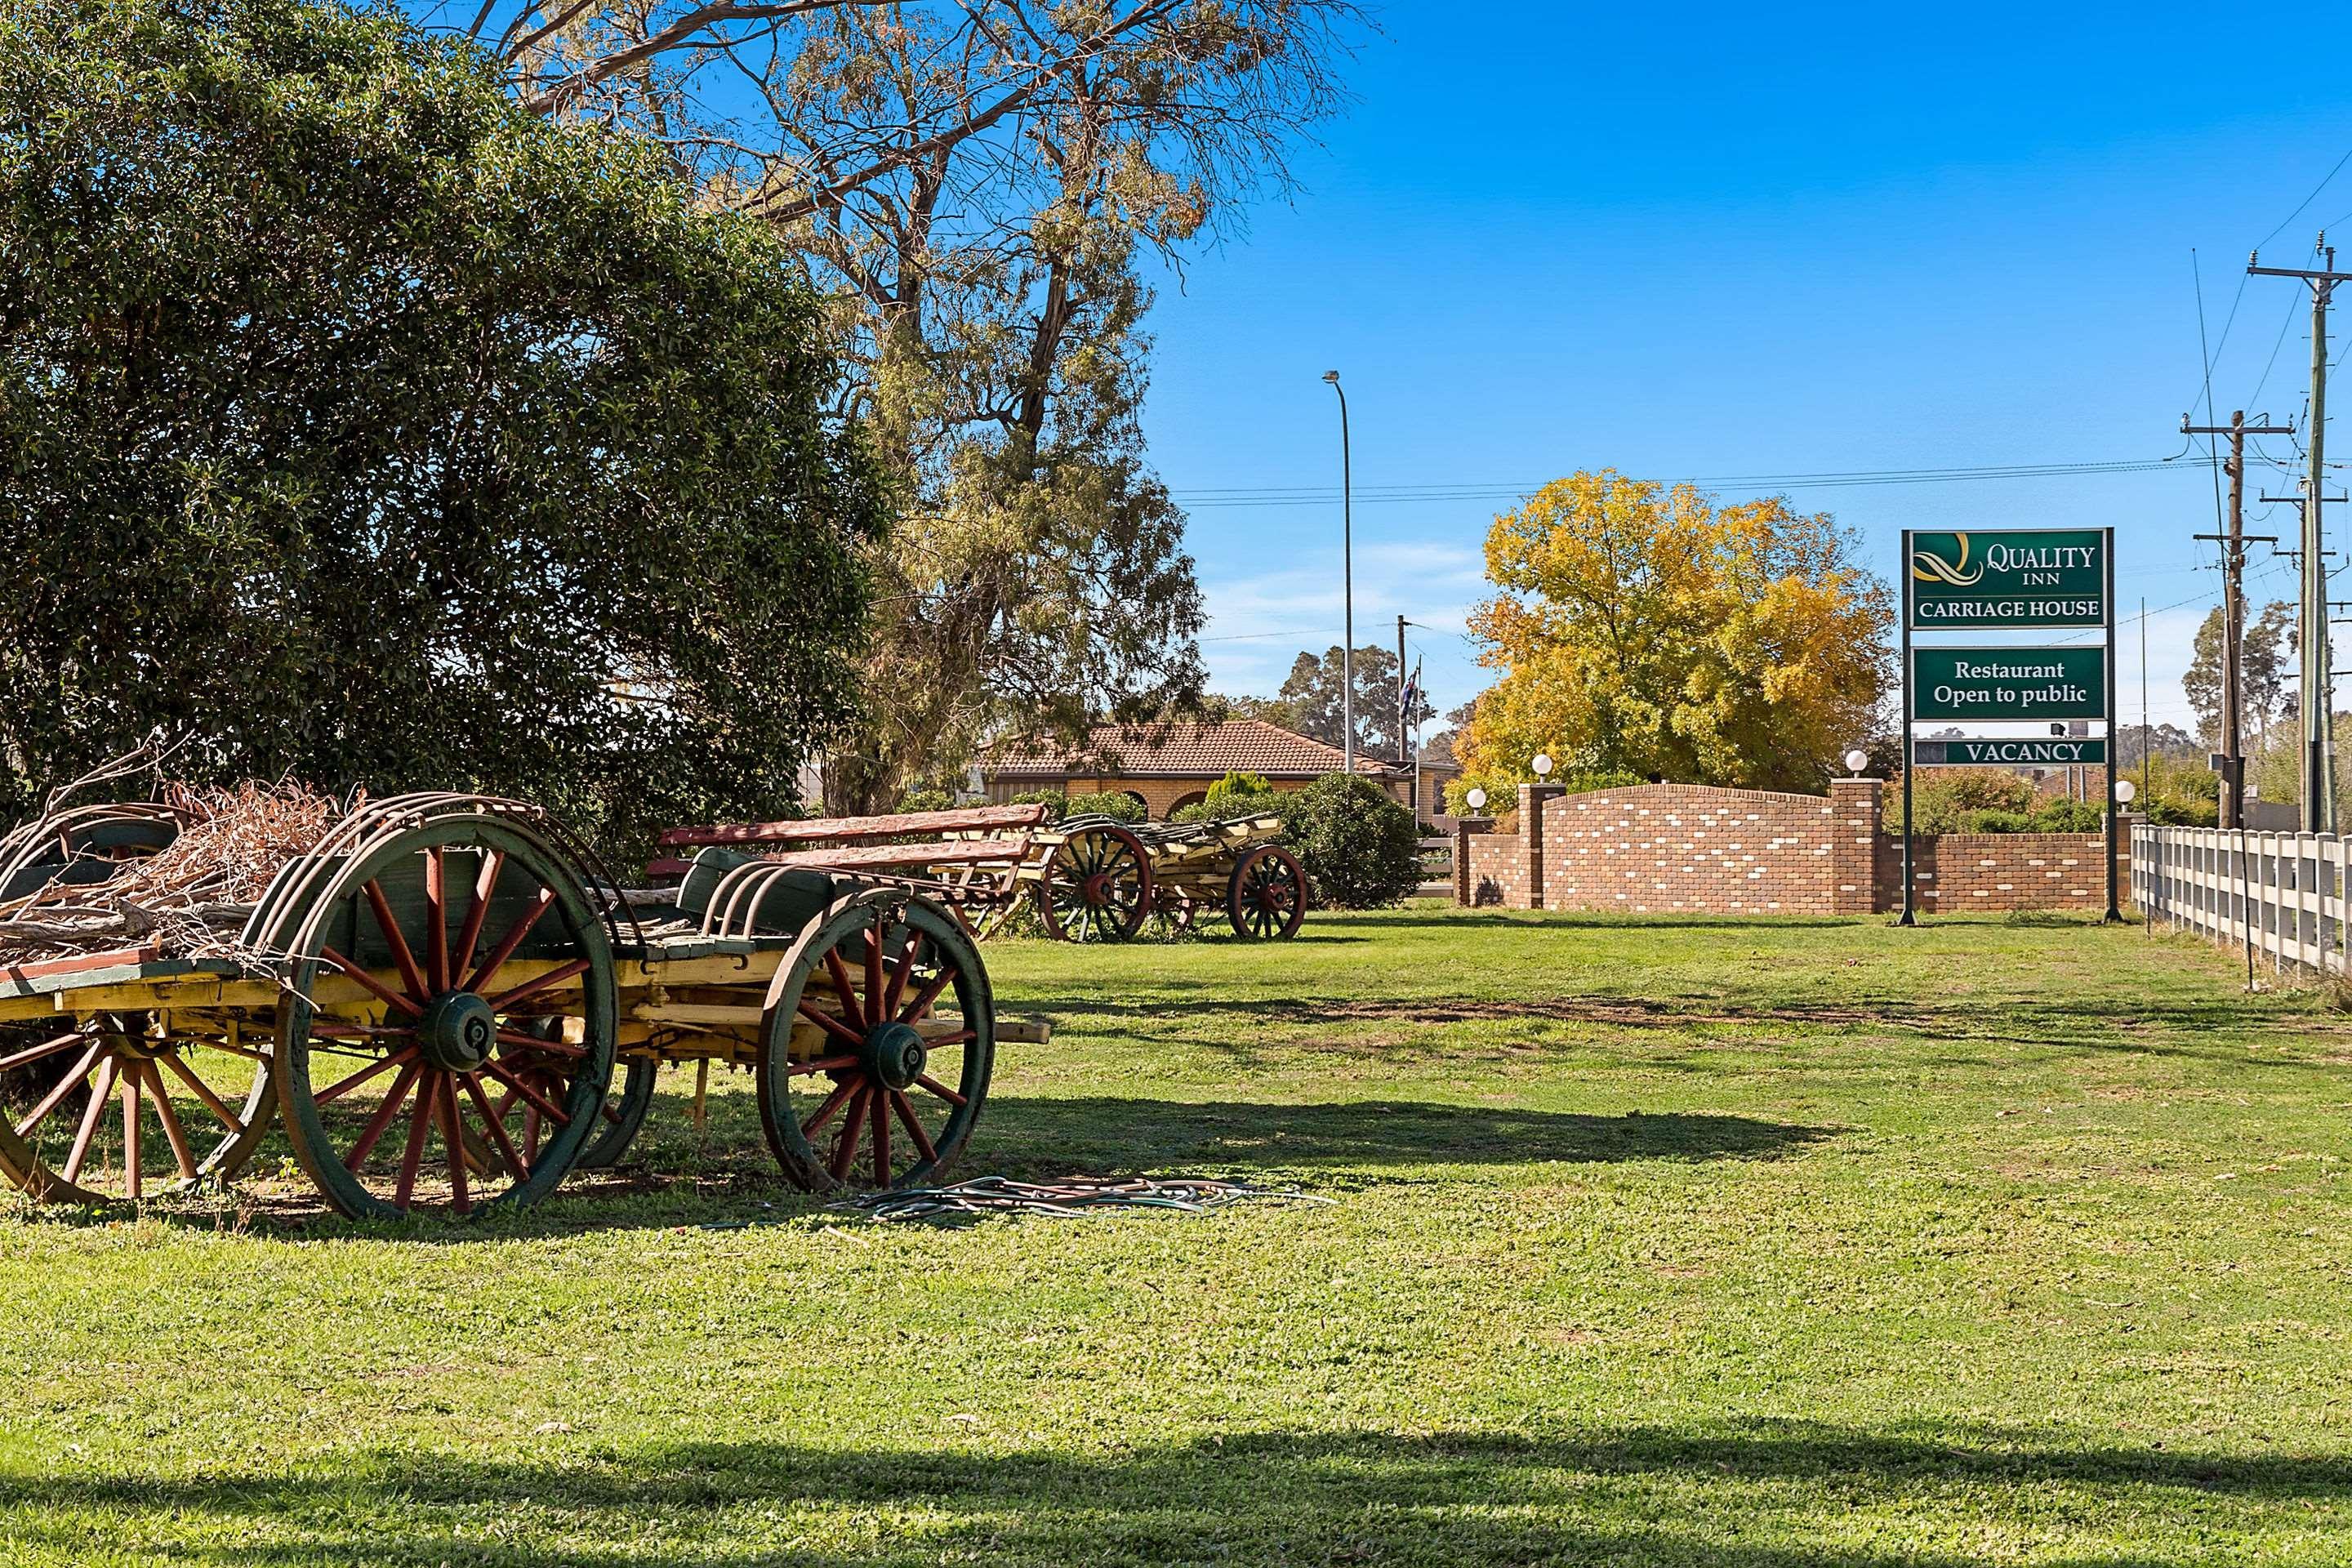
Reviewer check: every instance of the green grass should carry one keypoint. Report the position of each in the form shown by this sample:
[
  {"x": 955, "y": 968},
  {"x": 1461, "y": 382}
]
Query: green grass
[{"x": 1756, "y": 1244}]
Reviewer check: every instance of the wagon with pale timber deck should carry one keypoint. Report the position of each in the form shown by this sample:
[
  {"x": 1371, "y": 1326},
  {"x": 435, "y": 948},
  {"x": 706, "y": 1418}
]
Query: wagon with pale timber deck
[
  {"x": 447, "y": 1004},
  {"x": 1090, "y": 878}
]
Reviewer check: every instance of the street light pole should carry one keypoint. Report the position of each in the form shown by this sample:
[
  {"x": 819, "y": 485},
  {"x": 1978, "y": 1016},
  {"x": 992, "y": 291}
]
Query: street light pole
[{"x": 1347, "y": 583}]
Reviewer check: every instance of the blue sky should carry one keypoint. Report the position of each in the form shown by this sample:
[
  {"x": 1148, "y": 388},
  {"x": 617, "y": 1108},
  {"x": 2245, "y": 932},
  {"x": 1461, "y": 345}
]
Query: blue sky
[{"x": 1727, "y": 240}]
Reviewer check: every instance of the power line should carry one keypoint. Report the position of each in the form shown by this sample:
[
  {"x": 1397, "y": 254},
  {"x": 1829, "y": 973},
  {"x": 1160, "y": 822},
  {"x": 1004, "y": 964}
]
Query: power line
[
  {"x": 2306, "y": 202},
  {"x": 1301, "y": 495}
]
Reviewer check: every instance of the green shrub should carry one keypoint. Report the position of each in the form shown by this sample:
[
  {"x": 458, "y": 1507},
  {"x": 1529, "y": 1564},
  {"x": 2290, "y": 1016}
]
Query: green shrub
[
  {"x": 926, "y": 800},
  {"x": 1988, "y": 822},
  {"x": 1357, "y": 845},
  {"x": 2068, "y": 817},
  {"x": 1053, "y": 798},
  {"x": 2183, "y": 814},
  {"x": 2049, "y": 816},
  {"x": 1941, "y": 798},
  {"x": 1240, "y": 794},
  {"x": 1235, "y": 794},
  {"x": 1115, "y": 803}
]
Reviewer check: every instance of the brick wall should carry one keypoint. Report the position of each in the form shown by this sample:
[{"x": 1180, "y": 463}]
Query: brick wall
[
  {"x": 1952, "y": 873},
  {"x": 1698, "y": 849},
  {"x": 1491, "y": 868},
  {"x": 1703, "y": 850}
]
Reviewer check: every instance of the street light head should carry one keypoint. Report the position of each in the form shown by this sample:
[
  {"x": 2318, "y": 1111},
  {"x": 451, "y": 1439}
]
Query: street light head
[
  {"x": 1542, "y": 765},
  {"x": 2124, "y": 791},
  {"x": 1855, "y": 761},
  {"x": 1332, "y": 376},
  {"x": 1476, "y": 799}
]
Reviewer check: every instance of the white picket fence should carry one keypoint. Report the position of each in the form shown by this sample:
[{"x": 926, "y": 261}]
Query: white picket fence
[{"x": 2277, "y": 895}]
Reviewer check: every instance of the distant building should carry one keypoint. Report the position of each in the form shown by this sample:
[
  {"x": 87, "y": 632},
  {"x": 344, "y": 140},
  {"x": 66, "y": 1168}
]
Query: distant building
[{"x": 1171, "y": 766}]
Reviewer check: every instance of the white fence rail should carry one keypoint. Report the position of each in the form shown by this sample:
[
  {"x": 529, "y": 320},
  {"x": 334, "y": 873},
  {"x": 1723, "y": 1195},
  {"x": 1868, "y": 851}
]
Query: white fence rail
[{"x": 2278, "y": 895}]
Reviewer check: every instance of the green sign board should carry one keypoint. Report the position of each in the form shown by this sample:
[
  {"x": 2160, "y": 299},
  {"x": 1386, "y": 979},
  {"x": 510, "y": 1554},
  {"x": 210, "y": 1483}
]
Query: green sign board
[
  {"x": 2000, "y": 753},
  {"x": 2014, "y": 683},
  {"x": 2010, "y": 577}
]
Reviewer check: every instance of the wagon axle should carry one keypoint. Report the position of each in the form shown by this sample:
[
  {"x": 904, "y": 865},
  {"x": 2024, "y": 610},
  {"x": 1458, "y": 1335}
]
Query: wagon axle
[{"x": 457, "y": 1031}]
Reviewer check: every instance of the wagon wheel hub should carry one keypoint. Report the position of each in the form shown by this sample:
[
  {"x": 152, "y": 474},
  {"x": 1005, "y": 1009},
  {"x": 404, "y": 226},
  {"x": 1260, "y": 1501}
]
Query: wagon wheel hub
[
  {"x": 1095, "y": 889},
  {"x": 895, "y": 1054},
  {"x": 457, "y": 1032}
]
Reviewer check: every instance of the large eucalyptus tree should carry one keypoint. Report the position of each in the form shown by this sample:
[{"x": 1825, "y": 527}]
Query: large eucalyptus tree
[{"x": 980, "y": 189}]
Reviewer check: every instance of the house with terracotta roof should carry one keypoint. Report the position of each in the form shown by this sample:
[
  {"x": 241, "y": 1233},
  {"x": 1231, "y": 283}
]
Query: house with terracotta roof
[{"x": 1170, "y": 767}]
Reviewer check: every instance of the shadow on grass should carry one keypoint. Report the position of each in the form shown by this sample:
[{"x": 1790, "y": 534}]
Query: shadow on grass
[
  {"x": 1240, "y": 1137},
  {"x": 1449, "y": 917},
  {"x": 677, "y": 1178},
  {"x": 2093, "y": 1024},
  {"x": 1634, "y": 1495}
]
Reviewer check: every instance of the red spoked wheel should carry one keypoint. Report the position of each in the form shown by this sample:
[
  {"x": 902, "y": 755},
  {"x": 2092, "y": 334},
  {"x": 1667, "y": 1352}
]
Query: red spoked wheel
[
  {"x": 879, "y": 1037},
  {"x": 1096, "y": 885},
  {"x": 118, "y": 1109},
  {"x": 1265, "y": 897},
  {"x": 448, "y": 1037}
]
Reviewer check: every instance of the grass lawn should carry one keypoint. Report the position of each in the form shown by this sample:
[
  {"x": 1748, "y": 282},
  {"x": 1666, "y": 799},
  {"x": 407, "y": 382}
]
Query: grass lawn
[{"x": 1756, "y": 1244}]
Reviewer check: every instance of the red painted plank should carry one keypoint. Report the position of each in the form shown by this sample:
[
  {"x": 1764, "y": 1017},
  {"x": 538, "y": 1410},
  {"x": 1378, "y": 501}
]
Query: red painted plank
[{"x": 118, "y": 958}]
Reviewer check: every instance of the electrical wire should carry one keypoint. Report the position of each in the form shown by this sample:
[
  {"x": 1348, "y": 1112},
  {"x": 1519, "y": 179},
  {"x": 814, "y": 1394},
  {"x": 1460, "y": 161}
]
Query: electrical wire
[
  {"x": 1301, "y": 495},
  {"x": 2306, "y": 202}
]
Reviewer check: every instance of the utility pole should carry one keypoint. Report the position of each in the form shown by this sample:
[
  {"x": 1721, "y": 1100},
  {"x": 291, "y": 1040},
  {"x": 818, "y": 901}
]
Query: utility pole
[
  {"x": 2303, "y": 688},
  {"x": 2318, "y": 688},
  {"x": 1347, "y": 582},
  {"x": 2233, "y": 607},
  {"x": 2147, "y": 735},
  {"x": 1403, "y": 708}
]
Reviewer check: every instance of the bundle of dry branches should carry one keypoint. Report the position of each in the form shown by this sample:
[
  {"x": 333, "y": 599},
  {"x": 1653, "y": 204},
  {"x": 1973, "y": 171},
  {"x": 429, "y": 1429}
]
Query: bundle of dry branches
[{"x": 188, "y": 895}]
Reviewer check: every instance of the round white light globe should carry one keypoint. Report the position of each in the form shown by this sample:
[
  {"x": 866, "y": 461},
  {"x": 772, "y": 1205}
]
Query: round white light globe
[
  {"x": 1477, "y": 799},
  {"x": 2124, "y": 791},
  {"x": 1856, "y": 760},
  {"x": 1542, "y": 764}
]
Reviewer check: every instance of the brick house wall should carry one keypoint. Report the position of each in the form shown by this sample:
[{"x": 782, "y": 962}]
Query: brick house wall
[{"x": 1698, "y": 849}]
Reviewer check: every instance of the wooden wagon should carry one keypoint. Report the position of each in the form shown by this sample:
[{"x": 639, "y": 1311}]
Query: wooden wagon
[
  {"x": 447, "y": 1004},
  {"x": 1091, "y": 879}
]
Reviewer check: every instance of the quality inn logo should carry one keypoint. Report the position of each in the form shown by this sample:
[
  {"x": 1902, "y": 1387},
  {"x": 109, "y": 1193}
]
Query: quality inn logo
[{"x": 1928, "y": 566}]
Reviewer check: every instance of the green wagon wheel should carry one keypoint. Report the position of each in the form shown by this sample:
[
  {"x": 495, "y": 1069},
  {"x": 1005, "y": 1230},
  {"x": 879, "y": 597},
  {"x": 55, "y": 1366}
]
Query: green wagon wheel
[
  {"x": 875, "y": 1054},
  {"x": 114, "y": 1110},
  {"x": 1265, "y": 897},
  {"x": 1096, "y": 885},
  {"x": 431, "y": 1052},
  {"x": 624, "y": 1113}
]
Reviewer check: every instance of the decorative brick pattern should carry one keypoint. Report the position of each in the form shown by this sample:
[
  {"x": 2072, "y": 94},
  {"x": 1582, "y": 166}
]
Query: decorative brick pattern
[
  {"x": 1697, "y": 849},
  {"x": 1952, "y": 873}
]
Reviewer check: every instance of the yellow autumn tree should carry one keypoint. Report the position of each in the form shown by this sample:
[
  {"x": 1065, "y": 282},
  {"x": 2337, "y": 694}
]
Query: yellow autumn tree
[{"x": 1645, "y": 629}]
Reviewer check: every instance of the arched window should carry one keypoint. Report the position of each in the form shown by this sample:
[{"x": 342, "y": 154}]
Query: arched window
[{"x": 1182, "y": 801}]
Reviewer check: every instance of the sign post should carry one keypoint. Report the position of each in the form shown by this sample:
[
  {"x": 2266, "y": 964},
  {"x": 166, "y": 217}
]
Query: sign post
[{"x": 2009, "y": 580}]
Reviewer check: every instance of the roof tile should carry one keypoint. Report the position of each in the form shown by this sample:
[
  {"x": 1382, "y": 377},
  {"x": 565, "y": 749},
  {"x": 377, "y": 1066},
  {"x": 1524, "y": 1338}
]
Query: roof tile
[{"x": 1181, "y": 751}]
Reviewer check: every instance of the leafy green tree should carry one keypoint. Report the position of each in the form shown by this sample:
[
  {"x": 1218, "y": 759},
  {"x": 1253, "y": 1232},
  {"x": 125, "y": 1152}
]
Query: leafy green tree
[
  {"x": 2262, "y": 677},
  {"x": 1312, "y": 692},
  {"x": 980, "y": 188},
  {"x": 365, "y": 426}
]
